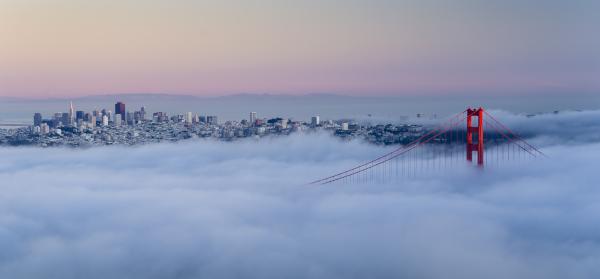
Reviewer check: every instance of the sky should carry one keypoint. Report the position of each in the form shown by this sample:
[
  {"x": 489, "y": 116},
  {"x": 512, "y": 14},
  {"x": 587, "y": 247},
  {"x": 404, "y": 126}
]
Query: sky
[
  {"x": 58, "y": 48},
  {"x": 210, "y": 209}
]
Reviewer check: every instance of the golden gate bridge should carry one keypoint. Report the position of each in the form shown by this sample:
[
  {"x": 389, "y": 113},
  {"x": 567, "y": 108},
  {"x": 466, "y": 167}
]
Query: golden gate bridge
[{"x": 471, "y": 133}]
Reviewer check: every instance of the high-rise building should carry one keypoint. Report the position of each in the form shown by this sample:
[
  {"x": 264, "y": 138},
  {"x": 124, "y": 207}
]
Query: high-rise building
[
  {"x": 93, "y": 121},
  {"x": 71, "y": 114},
  {"x": 66, "y": 119},
  {"x": 188, "y": 117},
  {"x": 130, "y": 118},
  {"x": 160, "y": 117},
  {"x": 345, "y": 126},
  {"x": 118, "y": 119},
  {"x": 44, "y": 128},
  {"x": 143, "y": 113},
  {"x": 120, "y": 109},
  {"x": 79, "y": 115},
  {"x": 57, "y": 119},
  {"x": 137, "y": 117},
  {"x": 105, "y": 120},
  {"x": 315, "y": 121},
  {"x": 212, "y": 119},
  {"x": 284, "y": 123},
  {"x": 252, "y": 118},
  {"x": 37, "y": 119}
]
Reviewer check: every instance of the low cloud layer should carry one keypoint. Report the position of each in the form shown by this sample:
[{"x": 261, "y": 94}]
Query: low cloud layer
[
  {"x": 562, "y": 128},
  {"x": 203, "y": 209}
]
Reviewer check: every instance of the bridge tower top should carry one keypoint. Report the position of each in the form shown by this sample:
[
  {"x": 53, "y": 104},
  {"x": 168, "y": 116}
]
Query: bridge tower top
[{"x": 477, "y": 146}]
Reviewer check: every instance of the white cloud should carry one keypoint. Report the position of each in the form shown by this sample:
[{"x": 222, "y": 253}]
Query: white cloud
[
  {"x": 567, "y": 127},
  {"x": 228, "y": 210}
]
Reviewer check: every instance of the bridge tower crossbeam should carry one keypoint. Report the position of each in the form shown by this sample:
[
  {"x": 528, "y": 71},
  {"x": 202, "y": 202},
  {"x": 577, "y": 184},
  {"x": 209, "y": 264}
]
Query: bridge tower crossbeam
[{"x": 471, "y": 145}]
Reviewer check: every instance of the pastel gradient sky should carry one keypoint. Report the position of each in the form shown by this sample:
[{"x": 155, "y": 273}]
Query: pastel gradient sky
[{"x": 74, "y": 48}]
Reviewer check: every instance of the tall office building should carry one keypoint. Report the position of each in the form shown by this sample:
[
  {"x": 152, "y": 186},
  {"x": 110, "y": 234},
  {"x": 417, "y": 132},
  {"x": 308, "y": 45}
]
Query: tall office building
[
  {"x": 315, "y": 121},
  {"x": 130, "y": 119},
  {"x": 44, "y": 128},
  {"x": 66, "y": 119},
  {"x": 93, "y": 121},
  {"x": 143, "y": 113},
  {"x": 252, "y": 118},
  {"x": 137, "y": 117},
  {"x": 79, "y": 115},
  {"x": 120, "y": 109},
  {"x": 284, "y": 123},
  {"x": 104, "y": 120},
  {"x": 188, "y": 117},
  {"x": 37, "y": 119},
  {"x": 212, "y": 119},
  {"x": 57, "y": 120},
  {"x": 71, "y": 114},
  {"x": 118, "y": 120}
]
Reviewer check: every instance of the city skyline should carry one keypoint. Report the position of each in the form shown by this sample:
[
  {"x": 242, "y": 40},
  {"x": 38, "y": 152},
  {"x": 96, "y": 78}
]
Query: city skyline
[{"x": 102, "y": 127}]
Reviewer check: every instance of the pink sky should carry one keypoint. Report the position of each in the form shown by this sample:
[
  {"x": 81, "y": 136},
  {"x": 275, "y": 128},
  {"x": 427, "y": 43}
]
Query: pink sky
[{"x": 73, "y": 48}]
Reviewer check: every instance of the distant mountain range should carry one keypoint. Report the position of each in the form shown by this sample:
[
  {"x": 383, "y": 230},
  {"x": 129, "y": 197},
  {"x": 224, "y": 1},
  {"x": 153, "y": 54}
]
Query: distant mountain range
[{"x": 179, "y": 97}]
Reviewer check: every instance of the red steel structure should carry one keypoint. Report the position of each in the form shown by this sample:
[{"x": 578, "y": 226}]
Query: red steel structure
[
  {"x": 478, "y": 146},
  {"x": 436, "y": 149}
]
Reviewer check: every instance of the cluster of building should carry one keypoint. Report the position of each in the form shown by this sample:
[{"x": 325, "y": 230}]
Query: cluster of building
[
  {"x": 105, "y": 127},
  {"x": 121, "y": 117}
]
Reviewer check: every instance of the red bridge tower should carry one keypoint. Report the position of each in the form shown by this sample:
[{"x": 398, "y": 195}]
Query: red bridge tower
[{"x": 478, "y": 146}]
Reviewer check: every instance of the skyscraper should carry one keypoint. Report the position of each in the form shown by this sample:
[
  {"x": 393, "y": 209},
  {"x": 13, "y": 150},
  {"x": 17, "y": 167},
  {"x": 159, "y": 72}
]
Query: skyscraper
[
  {"x": 118, "y": 119},
  {"x": 37, "y": 119},
  {"x": 284, "y": 123},
  {"x": 92, "y": 122},
  {"x": 71, "y": 114},
  {"x": 252, "y": 118},
  {"x": 188, "y": 117},
  {"x": 120, "y": 109},
  {"x": 130, "y": 119},
  {"x": 44, "y": 129},
  {"x": 57, "y": 119},
  {"x": 212, "y": 119},
  {"x": 315, "y": 121},
  {"x": 79, "y": 115},
  {"x": 143, "y": 113},
  {"x": 66, "y": 119}
]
